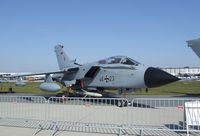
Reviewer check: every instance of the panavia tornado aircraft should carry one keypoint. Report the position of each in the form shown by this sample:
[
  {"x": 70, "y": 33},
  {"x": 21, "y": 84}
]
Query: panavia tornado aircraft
[
  {"x": 119, "y": 72},
  {"x": 195, "y": 45}
]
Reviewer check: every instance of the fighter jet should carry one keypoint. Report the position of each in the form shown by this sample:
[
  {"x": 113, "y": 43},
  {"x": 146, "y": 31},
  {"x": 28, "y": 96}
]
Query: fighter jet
[
  {"x": 118, "y": 72},
  {"x": 195, "y": 45}
]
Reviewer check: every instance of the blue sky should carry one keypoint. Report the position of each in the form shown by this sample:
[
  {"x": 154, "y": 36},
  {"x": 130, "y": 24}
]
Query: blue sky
[{"x": 150, "y": 31}]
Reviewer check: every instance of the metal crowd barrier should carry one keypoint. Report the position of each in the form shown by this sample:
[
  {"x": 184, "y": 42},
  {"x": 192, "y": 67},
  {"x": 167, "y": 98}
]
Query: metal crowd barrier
[
  {"x": 23, "y": 107},
  {"x": 100, "y": 115},
  {"x": 141, "y": 116},
  {"x": 162, "y": 114},
  {"x": 88, "y": 110}
]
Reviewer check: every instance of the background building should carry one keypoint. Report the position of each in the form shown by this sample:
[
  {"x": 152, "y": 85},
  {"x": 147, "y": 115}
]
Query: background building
[{"x": 189, "y": 72}]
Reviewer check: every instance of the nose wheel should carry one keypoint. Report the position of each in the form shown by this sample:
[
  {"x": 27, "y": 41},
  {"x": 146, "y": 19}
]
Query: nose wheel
[
  {"x": 123, "y": 93},
  {"x": 147, "y": 90}
]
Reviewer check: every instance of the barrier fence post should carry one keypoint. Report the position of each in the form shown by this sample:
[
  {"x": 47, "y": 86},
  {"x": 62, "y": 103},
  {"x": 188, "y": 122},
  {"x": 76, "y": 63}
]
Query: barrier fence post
[{"x": 141, "y": 132}]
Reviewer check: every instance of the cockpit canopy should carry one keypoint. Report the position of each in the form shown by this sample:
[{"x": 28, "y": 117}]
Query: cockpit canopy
[{"x": 119, "y": 60}]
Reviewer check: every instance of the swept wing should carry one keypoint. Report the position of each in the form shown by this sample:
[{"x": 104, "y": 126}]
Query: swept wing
[{"x": 195, "y": 45}]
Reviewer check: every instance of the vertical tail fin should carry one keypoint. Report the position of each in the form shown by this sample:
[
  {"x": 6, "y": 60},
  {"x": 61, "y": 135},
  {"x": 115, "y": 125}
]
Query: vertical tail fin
[{"x": 62, "y": 58}]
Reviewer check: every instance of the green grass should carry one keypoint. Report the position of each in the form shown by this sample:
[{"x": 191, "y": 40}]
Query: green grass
[
  {"x": 31, "y": 87},
  {"x": 177, "y": 88}
]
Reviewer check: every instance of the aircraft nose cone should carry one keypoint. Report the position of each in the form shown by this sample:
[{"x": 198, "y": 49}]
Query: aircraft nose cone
[{"x": 155, "y": 77}]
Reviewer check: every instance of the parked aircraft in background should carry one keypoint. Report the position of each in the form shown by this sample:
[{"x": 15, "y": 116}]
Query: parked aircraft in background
[
  {"x": 119, "y": 72},
  {"x": 4, "y": 80},
  {"x": 20, "y": 82}
]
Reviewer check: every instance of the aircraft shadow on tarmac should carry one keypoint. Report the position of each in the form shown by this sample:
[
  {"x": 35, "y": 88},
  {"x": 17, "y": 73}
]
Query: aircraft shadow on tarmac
[
  {"x": 107, "y": 101},
  {"x": 188, "y": 95},
  {"x": 140, "y": 105}
]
